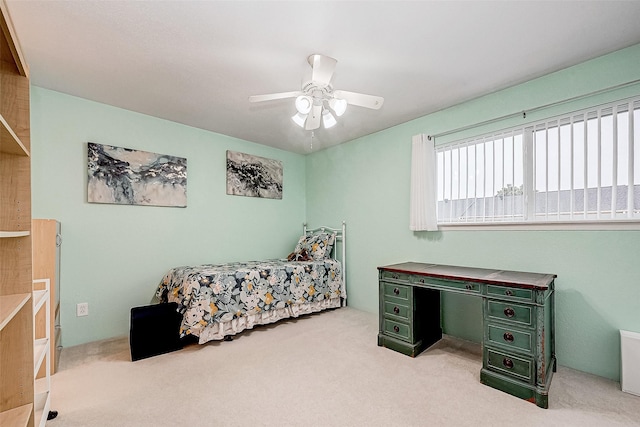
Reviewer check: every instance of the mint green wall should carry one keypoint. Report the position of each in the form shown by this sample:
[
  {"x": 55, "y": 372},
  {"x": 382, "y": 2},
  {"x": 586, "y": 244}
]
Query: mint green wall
[
  {"x": 113, "y": 256},
  {"x": 598, "y": 285}
]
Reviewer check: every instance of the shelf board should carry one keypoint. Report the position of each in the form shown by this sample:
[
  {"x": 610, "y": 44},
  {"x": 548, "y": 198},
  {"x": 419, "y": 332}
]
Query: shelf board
[
  {"x": 10, "y": 305},
  {"x": 42, "y": 385},
  {"x": 12, "y": 40},
  {"x": 40, "y": 348},
  {"x": 41, "y": 403},
  {"x": 9, "y": 141},
  {"x": 39, "y": 298},
  {"x": 16, "y": 417},
  {"x": 7, "y": 234}
]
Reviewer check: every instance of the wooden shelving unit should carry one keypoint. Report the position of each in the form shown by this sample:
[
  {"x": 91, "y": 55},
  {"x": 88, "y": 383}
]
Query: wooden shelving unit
[{"x": 16, "y": 303}]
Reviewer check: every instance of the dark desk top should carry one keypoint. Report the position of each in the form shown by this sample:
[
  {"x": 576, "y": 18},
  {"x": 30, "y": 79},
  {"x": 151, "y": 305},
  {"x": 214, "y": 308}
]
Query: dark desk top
[{"x": 518, "y": 279}]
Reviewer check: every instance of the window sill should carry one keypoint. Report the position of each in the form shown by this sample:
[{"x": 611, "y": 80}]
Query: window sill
[{"x": 548, "y": 225}]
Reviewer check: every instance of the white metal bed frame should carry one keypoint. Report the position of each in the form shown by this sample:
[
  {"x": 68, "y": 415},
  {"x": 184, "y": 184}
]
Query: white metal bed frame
[
  {"x": 340, "y": 236},
  {"x": 225, "y": 330}
]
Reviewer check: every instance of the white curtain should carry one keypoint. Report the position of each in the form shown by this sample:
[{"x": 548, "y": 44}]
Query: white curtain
[{"x": 423, "y": 185}]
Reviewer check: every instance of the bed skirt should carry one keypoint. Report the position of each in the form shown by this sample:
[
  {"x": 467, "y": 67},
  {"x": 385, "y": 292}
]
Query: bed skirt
[{"x": 219, "y": 330}]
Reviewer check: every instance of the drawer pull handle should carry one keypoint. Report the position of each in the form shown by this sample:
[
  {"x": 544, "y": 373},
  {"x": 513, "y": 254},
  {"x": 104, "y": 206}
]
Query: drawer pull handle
[
  {"x": 509, "y": 312},
  {"x": 508, "y": 337},
  {"x": 508, "y": 293},
  {"x": 421, "y": 280},
  {"x": 395, "y": 276},
  {"x": 396, "y": 310},
  {"x": 396, "y": 291},
  {"x": 508, "y": 363},
  {"x": 396, "y": 329},
  {"x": 468, "y": 286}
]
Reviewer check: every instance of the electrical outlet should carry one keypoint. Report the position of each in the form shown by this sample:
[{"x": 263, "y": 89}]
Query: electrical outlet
[{"x": 82, "y": 309}]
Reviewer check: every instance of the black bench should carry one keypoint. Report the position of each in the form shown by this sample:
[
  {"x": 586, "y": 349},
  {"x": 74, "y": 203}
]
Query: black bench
[{"x": 154, "y": 330}]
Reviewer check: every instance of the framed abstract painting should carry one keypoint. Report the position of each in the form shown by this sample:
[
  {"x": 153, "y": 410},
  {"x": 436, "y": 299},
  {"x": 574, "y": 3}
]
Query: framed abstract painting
[
  {"x": 253, "y": 176},
  {"x": 132, "y": 177}
]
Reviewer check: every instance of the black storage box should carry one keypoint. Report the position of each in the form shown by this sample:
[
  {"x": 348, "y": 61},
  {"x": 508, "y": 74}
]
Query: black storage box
[{"x": 155, "y": 329}]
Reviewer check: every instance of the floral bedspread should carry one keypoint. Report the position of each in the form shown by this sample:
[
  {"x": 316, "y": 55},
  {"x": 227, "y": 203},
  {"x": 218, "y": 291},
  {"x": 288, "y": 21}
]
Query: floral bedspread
[{"x": 219, "y": 293}]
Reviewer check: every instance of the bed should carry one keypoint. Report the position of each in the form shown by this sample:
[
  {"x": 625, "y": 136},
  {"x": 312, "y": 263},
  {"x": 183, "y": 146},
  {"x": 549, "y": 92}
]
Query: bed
[{"x": 218, "y": 301}]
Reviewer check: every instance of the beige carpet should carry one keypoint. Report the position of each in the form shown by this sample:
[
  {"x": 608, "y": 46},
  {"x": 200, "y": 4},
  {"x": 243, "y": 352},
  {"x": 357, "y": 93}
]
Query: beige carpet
[{"x": 320, "y": 370}]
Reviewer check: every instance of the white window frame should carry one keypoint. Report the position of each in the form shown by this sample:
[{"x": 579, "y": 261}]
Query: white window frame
[{"x": 555, "y": 217}]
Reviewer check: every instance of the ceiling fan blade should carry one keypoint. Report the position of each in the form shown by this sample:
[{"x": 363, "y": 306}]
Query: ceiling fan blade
[
  {"x": 272, "y": 96},
  {"x": 313, "y": 120},
  {"x": 323, "y": 68},
  {"x": 360, "y": 99}
]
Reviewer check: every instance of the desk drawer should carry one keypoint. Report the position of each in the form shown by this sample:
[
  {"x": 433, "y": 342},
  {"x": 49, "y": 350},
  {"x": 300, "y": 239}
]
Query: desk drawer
[
  {"x": 397, "y": 329},
  {"x": 514, "y": 366},
  {"x": 516, "y": 313},
  {"x": 510, "y": 293},
  {"x": 510, "y": 338},
  {"x": 392, "y": 275},
  {"x": 396, "y": 291},
  {"x": 470, "y": 287},
  {"x": 393, "y": 308}
]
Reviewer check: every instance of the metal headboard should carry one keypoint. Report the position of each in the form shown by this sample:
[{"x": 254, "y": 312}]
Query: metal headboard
[{"x": 340, "y": 236}]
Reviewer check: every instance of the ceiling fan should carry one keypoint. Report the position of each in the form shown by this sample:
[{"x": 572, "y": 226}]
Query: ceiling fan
[{"x": 317, "y": 98}]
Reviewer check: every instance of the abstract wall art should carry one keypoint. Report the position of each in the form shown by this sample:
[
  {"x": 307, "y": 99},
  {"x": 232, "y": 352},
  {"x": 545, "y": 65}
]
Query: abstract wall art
[
  {"x": 253, "y": 176},
  {"x": 132, "y": 177}
]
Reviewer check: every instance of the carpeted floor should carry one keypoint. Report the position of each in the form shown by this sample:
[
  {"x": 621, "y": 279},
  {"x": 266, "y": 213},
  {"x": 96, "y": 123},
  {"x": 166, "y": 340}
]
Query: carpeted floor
[{"x": 320, "y": 370}]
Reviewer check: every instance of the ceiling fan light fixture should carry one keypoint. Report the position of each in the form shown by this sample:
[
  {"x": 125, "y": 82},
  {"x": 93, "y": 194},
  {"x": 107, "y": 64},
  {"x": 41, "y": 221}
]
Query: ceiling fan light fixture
[
  {"x": 339, "y": 106},
  {"x": 328, "y": 120},
  {"x": 317, "y": 103},
  {"x": 304, "y": 104},
  {"x": 299, "y": 119}
]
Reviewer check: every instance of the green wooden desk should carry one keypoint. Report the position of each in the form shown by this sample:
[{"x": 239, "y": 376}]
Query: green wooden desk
[{"x": 518, "y": 345}]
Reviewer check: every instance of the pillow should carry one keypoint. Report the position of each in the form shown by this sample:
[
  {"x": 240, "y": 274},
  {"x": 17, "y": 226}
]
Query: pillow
[
  {"x": 299, "y": 256},
  {"x": 318, "y": 245},
  {"x": 302, "y": 244}
]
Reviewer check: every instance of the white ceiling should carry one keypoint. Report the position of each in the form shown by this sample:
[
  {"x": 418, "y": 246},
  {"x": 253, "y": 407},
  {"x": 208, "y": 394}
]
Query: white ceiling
[{"x": 197, "y": 62}]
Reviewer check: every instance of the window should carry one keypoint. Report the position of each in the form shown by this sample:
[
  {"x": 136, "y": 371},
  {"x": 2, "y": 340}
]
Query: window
[{"x": 582, "y": 166}]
